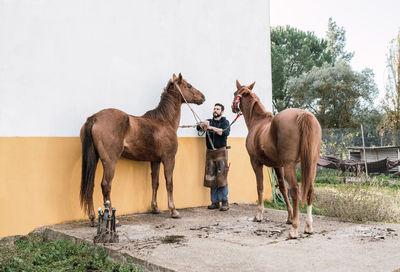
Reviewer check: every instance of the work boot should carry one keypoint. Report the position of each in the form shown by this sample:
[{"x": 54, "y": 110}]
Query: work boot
[
  {"x": 213, "y": 206},
  {"x": 225, "y": 206}
]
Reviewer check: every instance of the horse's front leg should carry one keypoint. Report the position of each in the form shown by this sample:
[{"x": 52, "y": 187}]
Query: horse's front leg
[
  {"x": 257, "y": 167},
  {"x": 155, "y": 172},
  {"x": 169, "y": 165}
]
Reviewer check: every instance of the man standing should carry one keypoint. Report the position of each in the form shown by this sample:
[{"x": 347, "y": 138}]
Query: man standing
[{"x": 216, "y": 172}]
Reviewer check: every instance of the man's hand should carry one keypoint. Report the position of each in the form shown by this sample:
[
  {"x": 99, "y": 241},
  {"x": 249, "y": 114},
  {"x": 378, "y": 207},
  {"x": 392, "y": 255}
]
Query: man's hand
[{"x": 204, "y": 125}]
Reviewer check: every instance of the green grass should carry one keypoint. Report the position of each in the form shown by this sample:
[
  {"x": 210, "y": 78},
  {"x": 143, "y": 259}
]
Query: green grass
[
  {"x": 359, "y": 202},
  {"x": 31, "y": 253},
  {"x": 282, "y": 206},
  {"x": 372, "y": 199}
]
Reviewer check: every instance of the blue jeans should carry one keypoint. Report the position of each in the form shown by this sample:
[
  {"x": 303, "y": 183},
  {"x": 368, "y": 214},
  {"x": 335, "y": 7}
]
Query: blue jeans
[{"x": 219, "y": 194}]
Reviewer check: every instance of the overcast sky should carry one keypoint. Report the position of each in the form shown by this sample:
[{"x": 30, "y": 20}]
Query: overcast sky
[{"x": 369, "y": 25}]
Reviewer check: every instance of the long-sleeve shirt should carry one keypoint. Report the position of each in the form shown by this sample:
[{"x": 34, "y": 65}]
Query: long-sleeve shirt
[{"x": 218, "y": 140}]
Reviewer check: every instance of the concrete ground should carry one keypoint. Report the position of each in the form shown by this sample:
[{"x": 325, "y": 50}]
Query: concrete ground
[{"x": 210, "y": 240}]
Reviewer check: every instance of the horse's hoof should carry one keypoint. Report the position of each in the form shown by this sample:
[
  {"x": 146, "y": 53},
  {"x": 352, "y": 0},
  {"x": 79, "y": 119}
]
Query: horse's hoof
[
  {"x": 293, "y": 234},
  {"x": 288, "y": 222},
  {"x": 175, "y": 215},
  {"x": 256, "y": 219},
  {"x": 308, "y": 230},
  {"x": 155, "y": 211}
]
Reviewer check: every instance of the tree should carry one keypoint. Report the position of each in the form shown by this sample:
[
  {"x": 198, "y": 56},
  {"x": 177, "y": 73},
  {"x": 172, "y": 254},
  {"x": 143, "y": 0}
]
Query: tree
[
  {"x": 293, "y": 52},
  {"x": 336, "y": 37},
  {"x": 336, "y": 94},
  {"x": 391, "y": 103}
]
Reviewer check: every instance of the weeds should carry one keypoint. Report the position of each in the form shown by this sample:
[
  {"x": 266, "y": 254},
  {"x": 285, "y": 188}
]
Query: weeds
[
  {"x": 365, "y": 199},
  {"x": 282, "y": 206},
  {"x": 31, "y": 253},
  {"x": 359, "y": 202}
]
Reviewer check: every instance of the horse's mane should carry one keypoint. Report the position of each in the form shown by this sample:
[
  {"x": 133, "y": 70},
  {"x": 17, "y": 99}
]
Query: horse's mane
[
  {"x": 166, "y": 109},
  {"x": 256, "y": 107}
]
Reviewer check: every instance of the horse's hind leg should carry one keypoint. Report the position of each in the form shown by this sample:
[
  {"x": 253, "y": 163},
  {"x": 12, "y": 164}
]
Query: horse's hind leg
[
  {"x": 155, "y": 172},
  {"x": 257, "y": 167},
  {"x": 92, "y": 216},
  {"x": 290, "y": 173},
  {"x": 106, "y": 182},
  {"x": 309, "y": 229},
  {"x": 169, "y": 165},
  {"x": 282, "y": 188}
]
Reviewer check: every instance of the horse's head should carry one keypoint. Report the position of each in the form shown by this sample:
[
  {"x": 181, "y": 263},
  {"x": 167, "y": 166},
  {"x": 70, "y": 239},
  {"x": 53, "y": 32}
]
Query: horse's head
[
  {"x": 188, "y": 92},
  {"x": 241, "y": 92}
]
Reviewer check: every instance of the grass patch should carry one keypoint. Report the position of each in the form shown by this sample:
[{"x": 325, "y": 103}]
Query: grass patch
[
  {"x": 32, "y": 253},
  {"x": 282, "y": 206},
  {"x": 373, "y": 199},
  {"x": 359, "y": 202}
]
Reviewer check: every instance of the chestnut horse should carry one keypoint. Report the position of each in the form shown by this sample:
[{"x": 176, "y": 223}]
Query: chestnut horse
[
  {"x": 281, "y": 141},
  {"x": 111, "y": 133}
]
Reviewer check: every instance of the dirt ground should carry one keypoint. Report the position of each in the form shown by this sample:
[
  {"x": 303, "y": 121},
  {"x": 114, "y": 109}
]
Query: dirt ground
[{"x": 205, "y": 240}]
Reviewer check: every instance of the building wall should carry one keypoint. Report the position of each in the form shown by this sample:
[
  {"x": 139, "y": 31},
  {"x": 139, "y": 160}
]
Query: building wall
[{"x": 61, "y": 61}]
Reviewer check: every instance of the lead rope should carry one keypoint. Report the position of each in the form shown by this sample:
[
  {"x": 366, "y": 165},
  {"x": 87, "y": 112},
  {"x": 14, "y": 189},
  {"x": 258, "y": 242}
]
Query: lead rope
[{"x": 196, "y": 117}]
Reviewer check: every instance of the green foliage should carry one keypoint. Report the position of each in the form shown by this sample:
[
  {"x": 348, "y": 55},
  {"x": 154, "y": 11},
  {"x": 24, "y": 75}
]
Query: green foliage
[
  {"x": 31, "y": 253},
  {"x": 334, "y": 94},
  {"x": 313, "y": 73},
  {"x": 336, "y": 37},
  {"x": 391, "y": 102},
  {"x": 282, "y": 206},
  {"x": 293, "y": 52}
]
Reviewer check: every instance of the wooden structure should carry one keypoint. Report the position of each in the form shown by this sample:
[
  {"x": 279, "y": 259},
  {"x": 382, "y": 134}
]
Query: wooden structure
[{"x": 376, "y": 153}]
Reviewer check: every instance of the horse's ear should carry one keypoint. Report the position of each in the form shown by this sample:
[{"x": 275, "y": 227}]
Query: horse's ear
[
  {"x": 173, "y": 77},
  {"x": 180, "y": 77},
  {"x": 238, "y": 86},
  {"x": 252, "y": 85}
]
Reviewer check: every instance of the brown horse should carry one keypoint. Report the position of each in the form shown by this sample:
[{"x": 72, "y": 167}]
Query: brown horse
[
  {"x": 281, "y": 141},
  {"x": 111, "y": 133}
]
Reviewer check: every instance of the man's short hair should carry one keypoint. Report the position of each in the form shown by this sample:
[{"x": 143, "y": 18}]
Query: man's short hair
[{"x": 222, "y": 106}]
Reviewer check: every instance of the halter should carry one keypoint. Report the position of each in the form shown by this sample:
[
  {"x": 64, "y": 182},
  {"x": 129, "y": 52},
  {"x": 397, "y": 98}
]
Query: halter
[
  {"x": 236, "y": 105},
  {"x": 196, "y": 117}
]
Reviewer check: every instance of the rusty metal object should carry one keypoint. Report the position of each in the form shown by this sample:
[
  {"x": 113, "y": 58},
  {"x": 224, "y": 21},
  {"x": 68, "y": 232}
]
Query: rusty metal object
[{"x": 106, "y": 232}]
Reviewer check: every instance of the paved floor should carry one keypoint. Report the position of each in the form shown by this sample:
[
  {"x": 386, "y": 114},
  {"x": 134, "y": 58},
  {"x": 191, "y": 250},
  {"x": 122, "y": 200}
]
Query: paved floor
[{"x": 205, "y": 240}]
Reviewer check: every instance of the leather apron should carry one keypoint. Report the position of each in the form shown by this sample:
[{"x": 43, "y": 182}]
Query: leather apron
[{"x": 216, "y": 172}]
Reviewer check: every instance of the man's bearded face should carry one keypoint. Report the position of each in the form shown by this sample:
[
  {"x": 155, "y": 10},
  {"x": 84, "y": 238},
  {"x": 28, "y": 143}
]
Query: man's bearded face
[{"x": 217, "y": 112}]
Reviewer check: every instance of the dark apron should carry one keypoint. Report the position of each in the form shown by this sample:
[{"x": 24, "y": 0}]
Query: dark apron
[{"x": 217, "y": 168}]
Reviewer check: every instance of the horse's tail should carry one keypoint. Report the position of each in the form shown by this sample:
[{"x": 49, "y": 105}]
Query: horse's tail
[
  {"x": 90, "y": 158},
  {"x": 310, "y": 145}
]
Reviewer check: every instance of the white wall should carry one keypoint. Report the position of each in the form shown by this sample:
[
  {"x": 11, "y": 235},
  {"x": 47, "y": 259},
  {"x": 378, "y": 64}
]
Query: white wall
[{"x": 61, "y": 61}]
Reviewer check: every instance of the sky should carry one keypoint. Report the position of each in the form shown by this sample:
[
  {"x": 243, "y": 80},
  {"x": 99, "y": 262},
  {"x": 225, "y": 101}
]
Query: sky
[{"x": 369, "y": 25}]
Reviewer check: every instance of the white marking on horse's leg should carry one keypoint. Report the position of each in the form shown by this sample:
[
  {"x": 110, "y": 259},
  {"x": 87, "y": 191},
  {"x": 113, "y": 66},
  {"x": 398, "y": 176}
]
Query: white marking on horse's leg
[
  {"x": 259, "y": 216},
  {"x": 309, "y": 220},
  {"x": 293, "y": 233}
]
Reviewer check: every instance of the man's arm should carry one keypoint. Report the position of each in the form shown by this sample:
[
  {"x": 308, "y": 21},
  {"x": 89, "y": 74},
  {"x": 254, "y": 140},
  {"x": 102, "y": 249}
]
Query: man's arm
[
  {"x": 226, "y": 128},
  {"x": 221, "y": 131}
]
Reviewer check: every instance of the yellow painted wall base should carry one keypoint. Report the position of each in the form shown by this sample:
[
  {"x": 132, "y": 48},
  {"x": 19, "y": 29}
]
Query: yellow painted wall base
[{"x": 40, "y": 181}]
